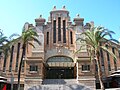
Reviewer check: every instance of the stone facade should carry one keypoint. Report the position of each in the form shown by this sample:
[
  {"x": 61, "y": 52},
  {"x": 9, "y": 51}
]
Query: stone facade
[{"x": 58, "y": 42}]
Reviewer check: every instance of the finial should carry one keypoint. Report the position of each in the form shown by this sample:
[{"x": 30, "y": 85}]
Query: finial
[
  {"x": 63, "y": 7},
  {"x": 78, "y": 15},
  {"x": 54, "y": 7},
  {"x": 40, "y": 16}
]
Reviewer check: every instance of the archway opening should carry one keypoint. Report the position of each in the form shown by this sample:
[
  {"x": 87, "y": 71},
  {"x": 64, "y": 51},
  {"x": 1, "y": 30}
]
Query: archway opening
[{"x": 60, "y": 67}]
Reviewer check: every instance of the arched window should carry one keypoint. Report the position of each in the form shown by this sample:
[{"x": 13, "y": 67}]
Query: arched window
[
  {"x": 4, "y": 64},
  {"x": 59, "y": 28},
  {"x": 17, "y": 57},
  {"x": 11, "y": 59},
  {"x": 64, "y": 31},
  {"x": 108, "y": 59},
  {"x": 71, "y": 37},
  {"x": 54, "y": 31},
  {"x": 47, "y": 38},
  {"x": 115, "y": 64}
]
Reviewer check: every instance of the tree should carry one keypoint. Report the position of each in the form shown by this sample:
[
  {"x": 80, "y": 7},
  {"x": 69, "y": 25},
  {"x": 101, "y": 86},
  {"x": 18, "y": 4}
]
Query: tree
[
  {"x": 5, "y": 46},
  {"x": 25, "y": 39},
  {"x": 6, "y": 43},
  {"x": 3, "y": 40},
  {"x": 93, "y": 38}
]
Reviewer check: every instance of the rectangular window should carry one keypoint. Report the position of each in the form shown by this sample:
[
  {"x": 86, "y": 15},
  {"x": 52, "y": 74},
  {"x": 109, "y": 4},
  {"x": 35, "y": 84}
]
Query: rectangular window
[
  {"x": 59, "y": 28},
  {"x": 17, "y": 57},
  {"x": 64, "y": 31},
  {"x": 85, "y": 67},
  {"x": 47, "y": 38},
  {"x": 54, "y": 31},
  {"x": 71, "y": 37},
  {"x": 33, "y": 68},
  {"x": 11, "y": 59}
]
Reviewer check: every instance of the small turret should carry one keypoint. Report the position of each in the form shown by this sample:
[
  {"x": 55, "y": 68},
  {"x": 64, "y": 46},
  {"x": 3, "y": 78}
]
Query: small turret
[
  {"x": 78, "y": 20},
  {"x": 54, "y": 8},
  {"x": 40, "y": 21},
  {"x": 63, "y": 7}
]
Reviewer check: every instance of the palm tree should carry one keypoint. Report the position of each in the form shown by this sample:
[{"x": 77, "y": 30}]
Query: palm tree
[
  {"x": 26, "y": 39},
  {"x": 3, "y": 40},
  {"x": 6, "y": 43},
  {"x": 92, "y": 39}
]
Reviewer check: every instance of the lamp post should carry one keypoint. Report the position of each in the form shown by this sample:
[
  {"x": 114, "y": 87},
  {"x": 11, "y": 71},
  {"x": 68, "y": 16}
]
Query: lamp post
[{"x": 12, "y": 80}]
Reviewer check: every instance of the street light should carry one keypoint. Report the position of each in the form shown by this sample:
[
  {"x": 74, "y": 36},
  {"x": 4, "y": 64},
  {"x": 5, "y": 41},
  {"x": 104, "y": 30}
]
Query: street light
[{"x": 12, "y": 80}]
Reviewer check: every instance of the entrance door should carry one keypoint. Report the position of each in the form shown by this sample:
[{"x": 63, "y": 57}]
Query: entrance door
[{"x": 60, "y": 73}]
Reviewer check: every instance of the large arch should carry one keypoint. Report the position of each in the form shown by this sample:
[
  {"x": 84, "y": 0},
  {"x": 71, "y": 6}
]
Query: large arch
[
  {"x": 60, "y": 61},
  {"x": 60, "y": 67}
]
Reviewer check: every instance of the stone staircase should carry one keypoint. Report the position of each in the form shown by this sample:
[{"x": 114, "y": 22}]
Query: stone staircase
[
  {"x": 59, "y": 87},
  {"x": 59, "y": 84}
]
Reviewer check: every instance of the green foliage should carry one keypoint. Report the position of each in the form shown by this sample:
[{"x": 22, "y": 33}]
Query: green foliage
[
  {"x": 6, "y": 43},
  {"x": 94, "y": 37},
  {"x": 27, "y": 37}
]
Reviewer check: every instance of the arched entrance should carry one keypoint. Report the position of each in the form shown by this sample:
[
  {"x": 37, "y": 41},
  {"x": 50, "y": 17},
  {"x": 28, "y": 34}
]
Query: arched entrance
[{"x": 60, "y": 67}]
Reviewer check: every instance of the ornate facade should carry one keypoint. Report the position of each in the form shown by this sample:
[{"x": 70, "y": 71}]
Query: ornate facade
[{"x": 55, "y": 60}]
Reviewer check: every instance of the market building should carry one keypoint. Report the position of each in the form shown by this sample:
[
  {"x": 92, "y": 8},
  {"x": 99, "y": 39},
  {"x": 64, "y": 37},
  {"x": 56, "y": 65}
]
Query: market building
[{"x": 55, "y": 62}]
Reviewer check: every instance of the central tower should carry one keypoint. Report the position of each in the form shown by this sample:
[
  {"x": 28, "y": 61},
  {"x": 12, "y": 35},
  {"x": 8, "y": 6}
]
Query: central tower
[{"x": 59, "y": 44}]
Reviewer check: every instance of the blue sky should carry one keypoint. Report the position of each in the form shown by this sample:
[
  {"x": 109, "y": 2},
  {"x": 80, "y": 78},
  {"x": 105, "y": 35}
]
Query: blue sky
[{"x": 14, "y": 13}]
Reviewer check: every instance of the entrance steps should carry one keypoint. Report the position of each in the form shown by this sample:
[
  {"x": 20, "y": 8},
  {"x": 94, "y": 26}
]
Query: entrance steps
[
  {"x": 59, "y": 81},
  {"x": 58, "y": 84},
  {"x": 60, "y": 87}
]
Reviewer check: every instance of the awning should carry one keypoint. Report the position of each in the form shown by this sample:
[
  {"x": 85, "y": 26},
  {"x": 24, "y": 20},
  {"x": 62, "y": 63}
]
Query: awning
[
  {"x": 118, "y": 71},
  {"x": 115, "y": 75},
  {"x": 3, "y": 79},
  {"x": 61, "y": 64}
]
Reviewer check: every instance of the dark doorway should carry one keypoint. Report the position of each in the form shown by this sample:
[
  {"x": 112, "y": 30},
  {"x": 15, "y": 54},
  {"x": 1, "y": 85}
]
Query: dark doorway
[{"x": 60, "y": 73}]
